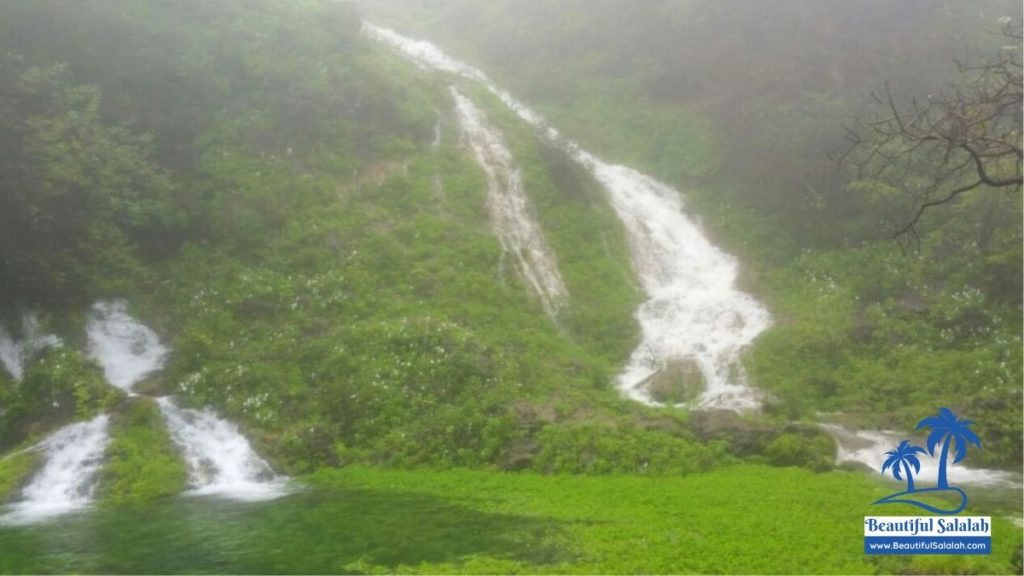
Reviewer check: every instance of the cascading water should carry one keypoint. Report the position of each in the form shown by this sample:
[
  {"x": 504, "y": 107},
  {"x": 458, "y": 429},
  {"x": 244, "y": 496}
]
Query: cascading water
[
  {"x": 15, "y": 353},
  {"x": 219, "y": 459},
  {"x": 868, "y": 447},
  {"x": 508, "y": 206},
  {"x": 74, "y": 455},
  {"x": 127, "y": 350},
  {"x": 694, "y": 311},
  {"x": 10, "y": 355}
]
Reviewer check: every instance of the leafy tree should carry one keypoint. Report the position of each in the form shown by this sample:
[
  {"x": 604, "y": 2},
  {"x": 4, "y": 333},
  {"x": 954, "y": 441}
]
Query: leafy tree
[{"x": 74, "y": 190}]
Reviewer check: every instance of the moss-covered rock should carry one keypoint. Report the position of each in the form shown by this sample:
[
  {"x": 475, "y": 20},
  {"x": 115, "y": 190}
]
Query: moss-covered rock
[
  {"x": 678, "y": 382},
  {"x": 143, "y": 461}
]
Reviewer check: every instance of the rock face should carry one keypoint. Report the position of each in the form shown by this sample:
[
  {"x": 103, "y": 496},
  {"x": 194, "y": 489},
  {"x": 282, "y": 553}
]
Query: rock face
[{"x": 680, "y": 381}]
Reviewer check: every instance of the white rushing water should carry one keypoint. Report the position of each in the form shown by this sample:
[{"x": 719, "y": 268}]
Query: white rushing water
[
  {"x": 694, "y": 311},
  {"x": 74, "y": 455},
  {"x": 868, "y": 447},
  {"x": 127, "y": 350},
  {"x": 14, "y": 354},
  {"x": 509, "y": 206},
  {"x": 220, "y": 460}
]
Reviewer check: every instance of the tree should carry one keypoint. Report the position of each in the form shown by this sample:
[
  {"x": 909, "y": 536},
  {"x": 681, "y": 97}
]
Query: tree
[
  {"x": 904, "y": 456},
  {"x": 74, "y": 191},
  {"x": 937, "y": 148},
  {"x": 946, "y": 426}
]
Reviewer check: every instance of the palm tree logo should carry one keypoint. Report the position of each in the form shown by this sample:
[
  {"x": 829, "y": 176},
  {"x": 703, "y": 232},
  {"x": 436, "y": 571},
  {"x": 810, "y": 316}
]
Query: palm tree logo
[
  {"x": 904, "y": 456},
  {"x": 947, "y": 430},
  {"x": 945, "y": 425}
]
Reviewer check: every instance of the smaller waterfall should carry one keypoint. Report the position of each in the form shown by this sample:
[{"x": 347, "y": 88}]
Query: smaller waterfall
[
  {"x": 14, "y": 354},
  {"x": 74, "y": 455},
  {"x": 868, "y": 447},
  {"x": 509, "y": 208},
  {"x": 220, "y": 460},
  {"x": 127, "y": 350}
]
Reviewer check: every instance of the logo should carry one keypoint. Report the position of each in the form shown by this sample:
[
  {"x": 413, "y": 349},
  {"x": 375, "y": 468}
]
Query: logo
[{"x": 948, "y": 436}]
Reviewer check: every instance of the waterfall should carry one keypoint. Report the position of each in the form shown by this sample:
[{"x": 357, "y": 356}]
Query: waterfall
[
  {"x": 694, "y": 312},
  {"x": 14, "y": 354},
  {"x": 868, "y": 447},
  {"x": 127, "y": 350},
  {"x": 508, "y": 206},
  {"x": 74, "y": 455},
  {"x": 219, "y": 459}
]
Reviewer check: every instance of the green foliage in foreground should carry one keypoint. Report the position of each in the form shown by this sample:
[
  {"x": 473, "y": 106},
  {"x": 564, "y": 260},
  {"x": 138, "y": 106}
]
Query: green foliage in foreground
[
  {"x": 14, "y": 470},
  {"x": 142, "y": 461},
  {"x": 744, "y": 519}
]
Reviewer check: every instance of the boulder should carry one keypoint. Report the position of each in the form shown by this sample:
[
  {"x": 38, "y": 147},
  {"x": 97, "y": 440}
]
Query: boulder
[{"x": 680, "y": 381}]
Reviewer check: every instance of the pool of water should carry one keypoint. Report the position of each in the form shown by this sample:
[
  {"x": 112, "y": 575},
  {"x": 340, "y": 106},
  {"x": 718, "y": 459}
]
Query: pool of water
[{"x": 315, "y": 531}]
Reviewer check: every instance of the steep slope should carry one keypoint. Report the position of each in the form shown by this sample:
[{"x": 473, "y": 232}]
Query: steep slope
[
  {"x": 326, "y": 272},
  {"x": 742, "y": 104}
]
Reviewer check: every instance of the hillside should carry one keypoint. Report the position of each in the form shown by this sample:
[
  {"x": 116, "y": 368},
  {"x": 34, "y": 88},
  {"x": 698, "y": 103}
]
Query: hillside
[{"x": 266, "y": 266}]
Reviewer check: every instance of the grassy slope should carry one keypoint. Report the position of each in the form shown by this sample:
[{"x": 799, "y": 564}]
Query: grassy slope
[
  {"x": 846, "y": 339},
  {"x": 143, "y": 462},
  {"x": 378, "y": 311}
]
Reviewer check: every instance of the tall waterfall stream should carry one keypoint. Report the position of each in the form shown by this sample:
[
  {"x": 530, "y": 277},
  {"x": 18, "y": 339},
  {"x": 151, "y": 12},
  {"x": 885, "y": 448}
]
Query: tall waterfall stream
[{"x": 694, "y": 312}]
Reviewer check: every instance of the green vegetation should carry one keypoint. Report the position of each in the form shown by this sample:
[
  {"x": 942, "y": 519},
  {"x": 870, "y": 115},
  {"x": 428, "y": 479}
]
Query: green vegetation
[
  {"x": 142, "y": 461},
  {"x": 14, "y": 469},
  {"x": 59, "y": 386},
  {"x": 742, "y": 519},
  {"x": 323, "y": 275},
  {"x": 262, "y": 184},
  {"x": 740, "y": 105}
]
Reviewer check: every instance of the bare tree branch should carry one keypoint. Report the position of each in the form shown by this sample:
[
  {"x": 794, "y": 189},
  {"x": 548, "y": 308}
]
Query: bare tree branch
[{"x": 946, "y": 145}]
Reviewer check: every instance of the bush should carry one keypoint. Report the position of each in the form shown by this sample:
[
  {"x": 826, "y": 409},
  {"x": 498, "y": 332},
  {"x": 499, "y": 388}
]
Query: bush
[
  {"x": 59, "y": 386},
  {"x": 598, "y": 449}
]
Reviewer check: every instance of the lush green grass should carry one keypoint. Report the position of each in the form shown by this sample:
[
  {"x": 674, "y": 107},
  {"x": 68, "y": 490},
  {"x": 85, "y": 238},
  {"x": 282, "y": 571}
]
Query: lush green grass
[
  {"x": 744, "y": 519},
  {"x": 142, "y": 461}
]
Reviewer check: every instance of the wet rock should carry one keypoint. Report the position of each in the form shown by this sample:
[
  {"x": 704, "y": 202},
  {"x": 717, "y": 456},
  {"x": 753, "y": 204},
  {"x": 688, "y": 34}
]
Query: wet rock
[
  {"x": 154, "y": 385},
  {"x": 743, "y": 436},
  {"x": 680, "y": 381}
]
